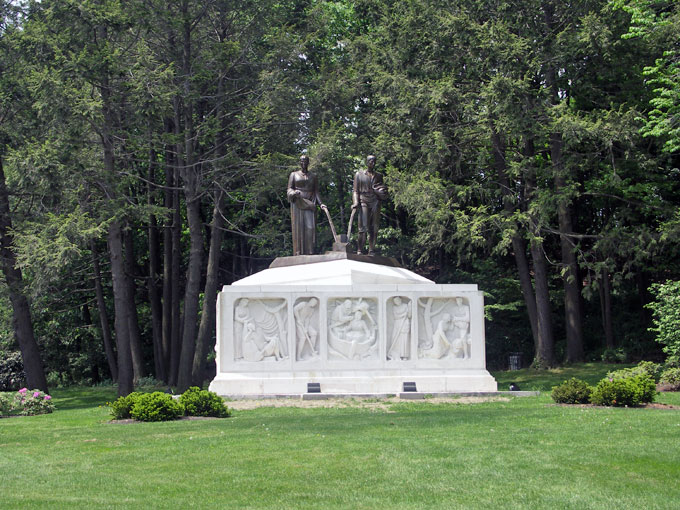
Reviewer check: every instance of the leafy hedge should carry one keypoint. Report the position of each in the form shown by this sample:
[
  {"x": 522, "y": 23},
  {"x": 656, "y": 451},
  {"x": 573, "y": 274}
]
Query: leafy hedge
[
  {"x": 198, "y": 402},
  {"x": 159, "y": 406},
  {"x": 573, "y": 391},
  {"x": 629, "y": 391}
]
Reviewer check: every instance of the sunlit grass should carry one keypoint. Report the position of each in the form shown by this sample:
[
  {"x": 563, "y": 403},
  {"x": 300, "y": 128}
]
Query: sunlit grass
[{"x": 520, "y": 453}]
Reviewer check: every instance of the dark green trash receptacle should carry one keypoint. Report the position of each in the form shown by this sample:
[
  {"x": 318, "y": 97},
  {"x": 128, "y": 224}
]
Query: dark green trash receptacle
[{"x": 515, "y": 360}]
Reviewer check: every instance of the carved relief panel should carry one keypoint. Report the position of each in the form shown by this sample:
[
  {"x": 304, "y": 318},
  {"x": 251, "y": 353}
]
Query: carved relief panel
[
  {"x": 306, "y": 316},
  {"x": 444, "y": 328},
  {"x": 260, "y": 331},
  {"x": 399, "y": 315},
  {"x": 353, "y": 329}
]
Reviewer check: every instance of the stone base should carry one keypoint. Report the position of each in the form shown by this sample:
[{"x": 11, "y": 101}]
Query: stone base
[
  {"x": 345, "y": 383},
  {"x": 351, "y": 324}
]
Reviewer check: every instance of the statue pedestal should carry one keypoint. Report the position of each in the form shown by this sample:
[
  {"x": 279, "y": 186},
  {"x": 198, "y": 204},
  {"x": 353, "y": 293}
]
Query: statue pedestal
[{"x": 353, "y": 326}]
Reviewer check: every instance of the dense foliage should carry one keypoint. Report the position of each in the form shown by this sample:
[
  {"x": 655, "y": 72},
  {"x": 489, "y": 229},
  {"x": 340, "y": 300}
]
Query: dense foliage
[
  {"x": 627, "y": 391},
  {"x": 666, "y": 309},
  {"x": 670, "y": 379},
  {"x": 25, "y": 402},
  {"x": 121, "y": 408},
  {"x": 11, "y": 371},
  {"x": 144, "y": 150},
  {"x": 156, "y": 406},
  {"x": 198, "y": 402},
  {"x": 572, "y": 391}
]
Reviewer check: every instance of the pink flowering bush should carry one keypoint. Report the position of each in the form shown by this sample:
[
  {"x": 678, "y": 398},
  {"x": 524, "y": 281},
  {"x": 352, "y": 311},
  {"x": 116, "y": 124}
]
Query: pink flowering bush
[{"x": 25, "y": 402}]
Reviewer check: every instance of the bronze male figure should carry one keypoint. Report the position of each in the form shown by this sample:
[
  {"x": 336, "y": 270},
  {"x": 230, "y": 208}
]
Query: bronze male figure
[{"x": 367, "y": 193}]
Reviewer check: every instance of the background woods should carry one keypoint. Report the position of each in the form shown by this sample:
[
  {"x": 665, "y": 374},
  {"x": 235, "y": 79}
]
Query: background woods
[{"x": 530, "y": 147}]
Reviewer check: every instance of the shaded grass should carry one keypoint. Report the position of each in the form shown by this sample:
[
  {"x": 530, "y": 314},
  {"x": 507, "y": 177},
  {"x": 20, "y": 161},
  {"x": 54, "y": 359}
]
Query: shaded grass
[
  {"x": 544, "y": 380},
  {"x": 523, "y": 453}
]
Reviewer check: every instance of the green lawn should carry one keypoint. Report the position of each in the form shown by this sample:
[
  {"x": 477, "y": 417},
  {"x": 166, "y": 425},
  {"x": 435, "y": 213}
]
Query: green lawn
[{"x": 521, "y": 453}]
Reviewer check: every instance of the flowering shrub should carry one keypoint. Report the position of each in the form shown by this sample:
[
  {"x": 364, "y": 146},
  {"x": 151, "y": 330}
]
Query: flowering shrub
[
  {"x": 199, "y": 402},
  {"x": 573, "y": 391},
  {"x": 25, "y": 402},
  {"x": 630, "y": 391},
  {"x": 156, "y": 406}
]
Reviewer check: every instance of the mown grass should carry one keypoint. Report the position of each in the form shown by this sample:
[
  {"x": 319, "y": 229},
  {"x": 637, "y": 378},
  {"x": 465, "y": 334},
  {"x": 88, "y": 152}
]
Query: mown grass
[
  {"x": 543, "y": 380},
  {"x": 520, "y": 453}
]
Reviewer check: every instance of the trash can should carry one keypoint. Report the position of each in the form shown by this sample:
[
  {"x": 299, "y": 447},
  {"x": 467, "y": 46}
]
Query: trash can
[{"x": 515, "y": 361}]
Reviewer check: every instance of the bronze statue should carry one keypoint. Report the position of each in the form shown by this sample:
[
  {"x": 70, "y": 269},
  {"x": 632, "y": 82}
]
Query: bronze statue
[
  {"x": 303, "y": 195},
  {"x": 367, "y": 193}
]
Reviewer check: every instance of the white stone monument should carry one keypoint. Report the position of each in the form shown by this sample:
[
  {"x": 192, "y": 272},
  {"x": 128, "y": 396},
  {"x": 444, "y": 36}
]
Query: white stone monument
[{"x": 350, "y": 325}]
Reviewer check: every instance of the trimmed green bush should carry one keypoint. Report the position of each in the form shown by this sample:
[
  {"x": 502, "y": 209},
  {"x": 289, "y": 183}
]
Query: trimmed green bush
[
  {"x": 121, "y": 407},
  {"x": 630, "y": 391},
  {"x": 198, "y": 402},
  {"x": 670, "y": 379},
  {"x": 156, "y": 406},
  {"x": 572, "y": 391}
]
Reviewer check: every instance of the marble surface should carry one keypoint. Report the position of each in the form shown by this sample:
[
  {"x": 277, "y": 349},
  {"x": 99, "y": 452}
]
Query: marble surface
[{"x": 351, "y": 326}]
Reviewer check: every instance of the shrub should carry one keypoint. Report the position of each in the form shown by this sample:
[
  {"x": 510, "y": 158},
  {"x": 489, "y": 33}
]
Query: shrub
[
  {"x": 666, "y": 310},
  {"x": 670, "y": 379},
  {"x": 6, "y": 401},
  {"x": 199, "y": 402},
  {"x": 629, "y": 391},
  {"x": 618, "y": 355},
  {"x": 572, "y": 391},
  {"x": 12, "y": 376},
  {"x": 32, "y": 402},
  {"x": 25, "y": 402},
  {"x": 156, "y": 406},
  {"x": 122, "y": 406},
  {"x": 648, "y": 368}
]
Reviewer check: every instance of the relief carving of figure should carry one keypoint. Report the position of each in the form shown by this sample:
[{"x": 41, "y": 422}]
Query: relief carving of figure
[
  {"x": 303, "y": 195},
  {"x": 253, "y": 352},
  {"x": 259, "y": 331},
  {"x": 307, "y": 334},
  {"x": 440, "y": 341},
  {"x": 367, "y": 192},
  {"x": 242, "y": 318},
  {"x": 352, "y": 331},
  {"x": 461, "y": 325},
  {"x": 399, "y": 347}
]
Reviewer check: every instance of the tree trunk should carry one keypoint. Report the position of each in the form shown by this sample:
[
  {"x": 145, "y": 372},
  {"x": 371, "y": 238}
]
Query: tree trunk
[
  {"x": 103, "y": 316},
  {"x": 606, "y": 306},
  {"x": 21, "y": 312},
  {"x": 115, "y": 242},
  {"x": 572, "y": 289},
  {"x": 176, "y": 338},
  {"x": 122, "y": 310},
  {"x": 154, "y": 263},
  {"x": 168, "y": 203},
  {"x": 545, "y": 348},
  {"x": 207, "y": 326},
  {"x": 519, "y": 246},
  {"x": 135, "y": 336},
  {"x": 191, "y": 184}
]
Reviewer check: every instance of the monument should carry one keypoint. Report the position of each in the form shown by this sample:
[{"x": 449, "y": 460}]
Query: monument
[{"x": 345, "y": 323}]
